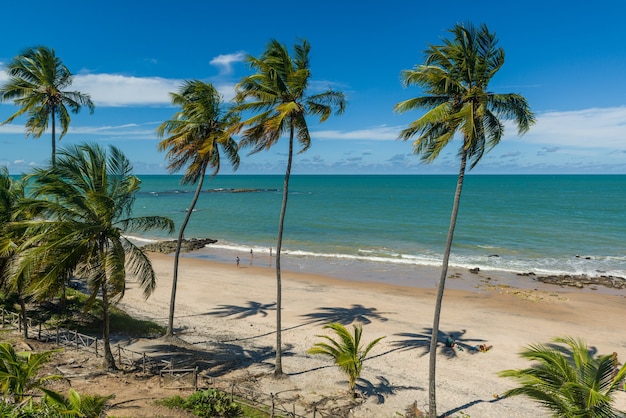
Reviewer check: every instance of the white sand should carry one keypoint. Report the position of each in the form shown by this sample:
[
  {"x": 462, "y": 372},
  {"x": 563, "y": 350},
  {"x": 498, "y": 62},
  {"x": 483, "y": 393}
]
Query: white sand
[{"x": 396, "y": 373}]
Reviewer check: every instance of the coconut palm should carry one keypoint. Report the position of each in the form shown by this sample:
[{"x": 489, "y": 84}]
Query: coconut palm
[
  {"x": 277, "y": 97},
  {"x": 569, "y": 381},
  {"x": 454, "y": 80},
  {"x": 37, "y": 83},
  {"x": 18, "y": 371},
  {"x": 84, "y": 205},
  {"x": 347, "y": 351},
  {"x": 196, "y": 134},
  {"x": 11, "y": 196}
]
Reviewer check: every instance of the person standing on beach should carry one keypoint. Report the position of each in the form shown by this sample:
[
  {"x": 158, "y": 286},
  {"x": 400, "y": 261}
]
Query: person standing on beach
[
  {"x": 251, "y": 256},
  {"x": 237, "y": 260}
]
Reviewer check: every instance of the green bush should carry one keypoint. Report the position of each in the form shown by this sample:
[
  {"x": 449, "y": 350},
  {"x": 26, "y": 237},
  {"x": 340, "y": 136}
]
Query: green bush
[{"x": 212, "y": 403}]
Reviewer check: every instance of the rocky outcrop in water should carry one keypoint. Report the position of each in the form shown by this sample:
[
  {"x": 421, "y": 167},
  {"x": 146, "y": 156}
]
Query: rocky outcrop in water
[
  {"x": 167, "y": 247},
  {"x": 581, "y": 281}
]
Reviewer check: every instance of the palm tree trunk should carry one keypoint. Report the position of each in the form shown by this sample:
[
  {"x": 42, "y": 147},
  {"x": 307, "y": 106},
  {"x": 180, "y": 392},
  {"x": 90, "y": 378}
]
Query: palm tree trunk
[
  {"x": 54, "y": 144},
  {"x": 170, "y": 324},
  {"x": 432, "y": 403},
  {"x": 278, "y": 370},
  {"x": 23, "y": 316},
  {"x": 108, "y": 362}
]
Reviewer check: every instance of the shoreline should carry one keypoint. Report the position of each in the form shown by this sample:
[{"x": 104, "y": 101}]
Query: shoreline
[
  {"x": 221, "y": 308},
  {"x": 418, "y": 276}
]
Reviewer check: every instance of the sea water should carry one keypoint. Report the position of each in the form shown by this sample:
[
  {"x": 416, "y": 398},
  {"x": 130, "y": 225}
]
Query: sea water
[{"x": 382, "y": 226}]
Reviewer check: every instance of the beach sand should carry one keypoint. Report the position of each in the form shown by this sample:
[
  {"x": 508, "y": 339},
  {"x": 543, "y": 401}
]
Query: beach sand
[{"x": 220, "y": 305}]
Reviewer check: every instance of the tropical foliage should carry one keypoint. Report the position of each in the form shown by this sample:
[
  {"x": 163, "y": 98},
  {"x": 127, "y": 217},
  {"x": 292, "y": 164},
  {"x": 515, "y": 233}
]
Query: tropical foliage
[
  {"x": 19, "y": 372},
  {"x": 569, "y": 381},
  {"x": 84, "y": 204},
  {"x": 75, "y": 404},
  {"x": 196, "y": 132},
  {"x": 277, "y": 97},
  {"x": 12, "y": 193},
  {"x": 346, "y": 350},
  {"x": 454, "y": 80},
  {"x": 37, "y": 83}
]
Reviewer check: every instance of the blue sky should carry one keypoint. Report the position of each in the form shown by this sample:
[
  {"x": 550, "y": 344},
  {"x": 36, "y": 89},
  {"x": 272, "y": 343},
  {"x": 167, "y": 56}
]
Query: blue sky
[{"x": 567, "y": 58}]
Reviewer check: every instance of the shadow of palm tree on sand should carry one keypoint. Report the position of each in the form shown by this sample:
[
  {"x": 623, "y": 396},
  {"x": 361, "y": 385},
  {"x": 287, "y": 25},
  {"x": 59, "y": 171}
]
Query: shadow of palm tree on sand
[
  {"x": 381, "y": 389},
  {"x": 421, "y": 340},
  {"x": 346, "y": 316}
]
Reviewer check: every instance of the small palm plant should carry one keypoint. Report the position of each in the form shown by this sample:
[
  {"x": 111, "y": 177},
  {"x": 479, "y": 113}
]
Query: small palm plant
[
  {"x": 346, "y": 351},
  {"x": 18, "y": 372},
  {"x": 569, "y": 381},
  {"x": 75, "y": 404}
]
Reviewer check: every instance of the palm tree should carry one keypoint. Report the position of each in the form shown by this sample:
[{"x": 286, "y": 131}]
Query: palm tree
[
  {"x": 37, "y": 83},
  {"x": 454, "y": 79},
  {"x": 277, "y": 94},
  {"x": 11, "y": 197},
  {"x": 84, "y": 205},
  {"x": 569, "y": 381},
  {"x": 196, "y": 132},
  {"x": 18, "y": 371},
  {"x": 347, "y": 351},
  {"x": 75, "y": 404}
]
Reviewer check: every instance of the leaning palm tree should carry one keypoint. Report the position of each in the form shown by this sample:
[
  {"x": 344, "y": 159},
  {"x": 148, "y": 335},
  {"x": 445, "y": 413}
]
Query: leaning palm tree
[
  {"x": 277, "y": 97},
  {"x": 454, "y": 80},
  {"x": 347, "y": 351},
  {"x": 37, "y": 83},
  {"x": 196, "y": 134},
  {"x": 84, "y": 205},
  {"x": 569, "y": 381}
]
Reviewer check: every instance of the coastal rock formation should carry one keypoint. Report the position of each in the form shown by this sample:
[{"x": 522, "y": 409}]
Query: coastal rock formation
[
  {"x": 582, "y": 280},
  {"x": 167, "y": 247}
]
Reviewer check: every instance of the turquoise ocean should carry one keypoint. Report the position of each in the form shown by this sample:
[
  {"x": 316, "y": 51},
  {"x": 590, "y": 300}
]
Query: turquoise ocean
[{"x": 382, "y": 228}]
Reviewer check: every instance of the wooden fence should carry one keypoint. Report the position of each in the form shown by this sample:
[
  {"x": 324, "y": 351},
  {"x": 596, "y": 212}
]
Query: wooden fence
[{"x": 171, "y": 377}]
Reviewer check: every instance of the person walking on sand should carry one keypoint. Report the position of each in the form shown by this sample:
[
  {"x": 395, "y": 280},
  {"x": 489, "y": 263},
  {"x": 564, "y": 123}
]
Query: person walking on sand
[
  {"x": 237, "y": 260},
  {"x": 251, "y": 256}
]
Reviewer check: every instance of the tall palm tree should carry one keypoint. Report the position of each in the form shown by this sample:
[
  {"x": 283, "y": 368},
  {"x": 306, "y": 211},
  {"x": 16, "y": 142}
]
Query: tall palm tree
[
  {"x": 84, "y": 205},
  {"x": 346, "y": 351},
  {"x": 277, "y": 97},
  {"x": 37, "y": 83},
  {"x": 570, "y": 382},
  {"x": 454, "y": 80},
  {"x": 196, "y": 134}
]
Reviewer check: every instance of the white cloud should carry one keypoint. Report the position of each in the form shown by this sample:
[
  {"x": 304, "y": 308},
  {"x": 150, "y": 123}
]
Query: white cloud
[
  {"x": 225, "y": 62},
  {"x": 381, "y": 133},
  {"x": 587, "y": 128},
  {"x": 118, "y": 90}
]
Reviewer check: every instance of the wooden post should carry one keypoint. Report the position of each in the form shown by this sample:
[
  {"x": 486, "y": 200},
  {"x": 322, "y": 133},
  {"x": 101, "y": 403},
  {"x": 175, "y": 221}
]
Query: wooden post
[
  {"x": 143, "y": 362},
  {"x": 314, "y": 410},
  {"x": 273, "y": 406},
  {"x": 195, "y": 379},
  {"x": 76, "y": 338},
  {"x": 96, "y": 346},
  {"x": 119, "y": 355}
]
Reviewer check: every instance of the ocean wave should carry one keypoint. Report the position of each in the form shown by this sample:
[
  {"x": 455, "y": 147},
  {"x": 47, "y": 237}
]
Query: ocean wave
[{"x": 594, "y": 266}]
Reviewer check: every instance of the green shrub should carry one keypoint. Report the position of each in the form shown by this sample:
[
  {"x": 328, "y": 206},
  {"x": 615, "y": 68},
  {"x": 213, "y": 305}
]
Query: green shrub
[{"x": 212, "y": 403}]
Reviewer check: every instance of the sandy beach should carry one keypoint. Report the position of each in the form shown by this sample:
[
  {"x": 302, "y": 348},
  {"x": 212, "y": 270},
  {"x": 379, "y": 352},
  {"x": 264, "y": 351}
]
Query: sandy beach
[{"x": 221, "y": 304}]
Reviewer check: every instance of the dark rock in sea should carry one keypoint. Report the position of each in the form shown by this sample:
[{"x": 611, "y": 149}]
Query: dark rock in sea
[
  {"x": 167, "y": 247},
  {"x": 494, "y": 255},
  {"x": 580, "y": 281}
]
